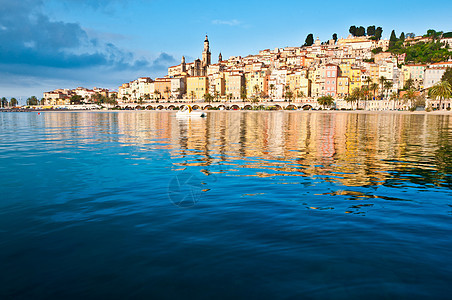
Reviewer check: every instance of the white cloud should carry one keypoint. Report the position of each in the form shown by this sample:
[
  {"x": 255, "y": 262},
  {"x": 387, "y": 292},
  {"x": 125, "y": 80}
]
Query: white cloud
[{"x": 233, "y": 22}]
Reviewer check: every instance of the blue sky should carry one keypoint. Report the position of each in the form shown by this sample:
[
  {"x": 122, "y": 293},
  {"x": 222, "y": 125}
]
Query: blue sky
[{"x": 48, "y": 44}]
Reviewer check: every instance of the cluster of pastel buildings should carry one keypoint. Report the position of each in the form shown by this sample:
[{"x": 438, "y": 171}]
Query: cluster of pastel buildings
[
  {"x": 334, "y": 68},
  {"x": 62, "y": 96}
]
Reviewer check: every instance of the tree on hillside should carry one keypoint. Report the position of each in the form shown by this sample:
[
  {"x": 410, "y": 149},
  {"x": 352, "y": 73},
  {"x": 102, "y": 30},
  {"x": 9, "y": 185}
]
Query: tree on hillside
[
  {"x": 402, "y": 37},
  {"x": 360, "y": 31},
  {"x": 377, "y": 50},
  {"x": 371, "y": 30},
  {"x": 352, "y": 30},
  {"x": 335, "y": 37},
  {"x": 433, "y": 34},
  {"x": 422, "y": 52},
  {"x": 76, "y": 99},
  {"x": 447, "y": 76},
  {"x": 410, "y": 35},
  {"x": 378, "y": 33},
  {"x": 442, "y": 90},
  {"x": 309, "y": 40},
  {"x": 393, "y": 39}
]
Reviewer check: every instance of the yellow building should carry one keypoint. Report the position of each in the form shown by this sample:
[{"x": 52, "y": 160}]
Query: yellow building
[
  {"x": 217, "y": 84},
  {"x": 162, "y": 88},
  {"x": 345, "y": 69},
  {"x": 355, "y": 78},
  {"x": 414, "y": 72},
  {"x": 299, "y": 84},
  {"x": 197, "y": 86},
  {"x": 234, "y": 83},
  {"x": 343, "y": 84},
  {"x": 255, "y": 83},
  {"x": 374, "y": 73}
]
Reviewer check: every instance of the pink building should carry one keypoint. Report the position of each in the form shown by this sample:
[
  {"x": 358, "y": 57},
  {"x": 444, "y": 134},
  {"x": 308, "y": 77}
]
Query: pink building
[{"x": 331, "y": 74}]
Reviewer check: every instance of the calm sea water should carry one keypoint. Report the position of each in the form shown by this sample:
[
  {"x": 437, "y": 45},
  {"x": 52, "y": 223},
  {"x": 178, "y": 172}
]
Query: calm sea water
[{"x": 244, "y": 205}]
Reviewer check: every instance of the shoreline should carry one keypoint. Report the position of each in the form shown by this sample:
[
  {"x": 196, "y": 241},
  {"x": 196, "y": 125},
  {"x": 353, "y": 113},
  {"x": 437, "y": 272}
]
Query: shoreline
[{"x": 404, "y": 112}]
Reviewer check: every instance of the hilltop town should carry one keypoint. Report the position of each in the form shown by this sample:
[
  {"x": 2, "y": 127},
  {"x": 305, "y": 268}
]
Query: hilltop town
[{"x": 359, "y": 65}]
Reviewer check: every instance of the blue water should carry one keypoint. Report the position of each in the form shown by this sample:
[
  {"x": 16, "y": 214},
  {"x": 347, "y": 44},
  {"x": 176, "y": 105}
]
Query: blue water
[{"x": 244, "y": 205}]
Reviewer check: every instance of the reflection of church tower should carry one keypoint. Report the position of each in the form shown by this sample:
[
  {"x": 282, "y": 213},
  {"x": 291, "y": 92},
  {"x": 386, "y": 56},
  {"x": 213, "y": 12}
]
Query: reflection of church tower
[
  {"x": 206, "y": 53},
  {"x": 220, "y": 58}
]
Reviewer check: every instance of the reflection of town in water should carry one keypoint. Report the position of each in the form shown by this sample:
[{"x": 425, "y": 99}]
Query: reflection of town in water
[{"x": 353, "y": 149}]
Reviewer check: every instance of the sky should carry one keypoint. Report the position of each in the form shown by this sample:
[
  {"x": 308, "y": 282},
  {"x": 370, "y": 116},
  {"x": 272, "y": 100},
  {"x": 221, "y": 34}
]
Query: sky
[{"x": 49, "y": 44}]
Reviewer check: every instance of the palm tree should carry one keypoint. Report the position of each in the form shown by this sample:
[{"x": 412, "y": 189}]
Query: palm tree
[
  {"x": 368, "y": 81},
  {"x": 325, "y": 101},
  {"x": 13, "y": 102},
  {"x": 300, "y": 94},
  {"x": 394, "y": 97},
  {"x": 382, "y": 82},
  {"x": 32, "y": 100},
  {"x": 4, "y": 102},
  {"x": 192, "y": 95},
  {"x": 243, "y": 93},
  {"x": 409, "y": 96},
  {"x": 441, "y": 90},
  {"x": 256, "y": 90},
  {"x": 409, "y": 84},
  {"x": 288, "y": 95},
  {"x": 216, "y": 95},
  {"x": 355, "y": 96},
  {"x": 286, "y": 90},
  {"x": 272, "y": 89},
  {"x": 208, "y": 97},
  {"x": 156, "y": 94},
  {"x": 167, "y": 92},
  {"x": 229, "y": 97},
  {"x": 365, "y": 92},
  {"x": 388, "y": 85},
  {"x": 374, "y": 88}
]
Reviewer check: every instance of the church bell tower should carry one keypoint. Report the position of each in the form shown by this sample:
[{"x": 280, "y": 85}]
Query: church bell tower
[{"x": 206, "y": 55}]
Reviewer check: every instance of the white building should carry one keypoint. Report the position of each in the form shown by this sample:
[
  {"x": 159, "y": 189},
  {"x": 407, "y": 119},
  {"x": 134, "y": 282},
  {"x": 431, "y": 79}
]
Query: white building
[{"x": 432, "y": 76}]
